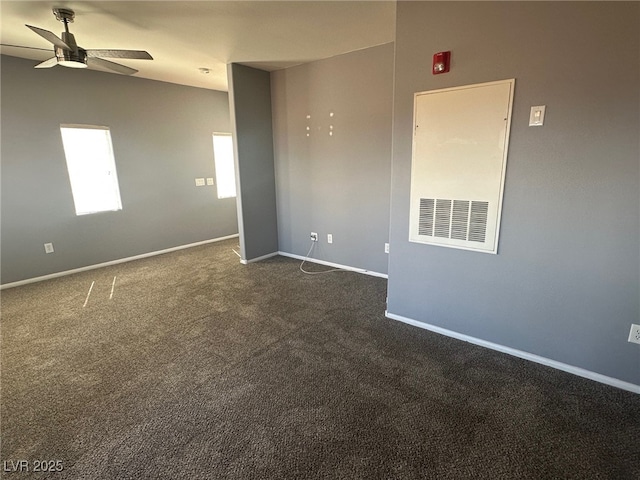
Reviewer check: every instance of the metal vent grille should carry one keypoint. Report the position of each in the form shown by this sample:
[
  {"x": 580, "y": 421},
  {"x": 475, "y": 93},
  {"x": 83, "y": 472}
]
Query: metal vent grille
[
  {"x": 478, "y": 221},
  {"x": 460, "y": 219},
  {"x": 425, "y": 224},
  {"x": 443, "y": 218},
  {"x": 457, "y": 219}
]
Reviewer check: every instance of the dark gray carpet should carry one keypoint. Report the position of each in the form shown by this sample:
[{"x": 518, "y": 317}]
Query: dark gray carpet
[{"x": 199, "y": 367}]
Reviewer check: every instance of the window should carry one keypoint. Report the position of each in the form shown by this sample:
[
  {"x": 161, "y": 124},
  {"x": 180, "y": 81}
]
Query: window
[
  {"x": 92, "y": 168},
  {"x": 225, "y": 168}
]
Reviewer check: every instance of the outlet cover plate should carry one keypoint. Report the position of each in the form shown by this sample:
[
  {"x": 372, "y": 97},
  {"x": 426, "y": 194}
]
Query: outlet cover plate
[{"x": 634, "y": 334}]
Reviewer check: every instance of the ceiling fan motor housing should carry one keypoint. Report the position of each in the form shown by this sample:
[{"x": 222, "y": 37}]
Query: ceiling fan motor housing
[{"x": 75, "y": 57}]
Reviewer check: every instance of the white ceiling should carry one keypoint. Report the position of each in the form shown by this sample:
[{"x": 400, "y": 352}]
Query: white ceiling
[{"x": 184, "y": 36}]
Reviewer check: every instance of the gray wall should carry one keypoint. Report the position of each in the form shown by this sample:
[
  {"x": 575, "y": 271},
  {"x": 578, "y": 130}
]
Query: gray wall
[
  {"x": 250, "y": 99},
  {"x": 162, "y": 141},
  {"x": 565, "y": 283},
  {"x": 335, "y": 184}
]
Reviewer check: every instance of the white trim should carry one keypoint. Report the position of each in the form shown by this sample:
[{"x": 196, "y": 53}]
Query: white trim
[
  {"x": 614, "y": 382},
  {"x": 257, "y": 259},
  {"x": 335, "y": 265},
  {"x": 112, "y": 262}
]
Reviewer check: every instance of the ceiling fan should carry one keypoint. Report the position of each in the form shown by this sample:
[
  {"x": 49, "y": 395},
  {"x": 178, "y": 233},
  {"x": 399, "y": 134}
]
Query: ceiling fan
[{"x": 69, "y": 54}]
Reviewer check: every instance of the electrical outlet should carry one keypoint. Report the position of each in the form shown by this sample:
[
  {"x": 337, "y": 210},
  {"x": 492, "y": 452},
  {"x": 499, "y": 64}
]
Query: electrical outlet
[
  {"x": 634, "y": 334},
  {"x": 329, "y": 238},
  {"x": 386, "y": 248},
  {"x": 314, "y": 237},
  {"x": 48, "y": 248}
]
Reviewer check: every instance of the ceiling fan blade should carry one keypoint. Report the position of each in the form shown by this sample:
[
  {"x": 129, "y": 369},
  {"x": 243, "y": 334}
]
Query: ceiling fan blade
[
  {"x": 135, "y": 54},
  {"x": 22, "y": 46},
  {"x": 116, "y": 67},
  {"x": 47, "y": 35},
  {"x": 52, "y": 62}
]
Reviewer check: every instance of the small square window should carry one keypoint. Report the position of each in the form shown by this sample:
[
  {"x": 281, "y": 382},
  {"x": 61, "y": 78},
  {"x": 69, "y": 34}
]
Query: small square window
[{"x": 92, "y": 168}]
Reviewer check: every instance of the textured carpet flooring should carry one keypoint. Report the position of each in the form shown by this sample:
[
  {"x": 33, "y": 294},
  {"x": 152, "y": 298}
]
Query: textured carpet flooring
[{"x": 190, "y": 365}]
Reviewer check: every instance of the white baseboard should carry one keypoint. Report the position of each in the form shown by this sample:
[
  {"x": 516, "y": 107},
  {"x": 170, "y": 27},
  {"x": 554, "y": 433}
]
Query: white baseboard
[
  {"x": 112, "y": 262},
  {"x": 257, "y": 259},
  {"x": 614, "y": 382},
  {"x": 334, "y": 265}
]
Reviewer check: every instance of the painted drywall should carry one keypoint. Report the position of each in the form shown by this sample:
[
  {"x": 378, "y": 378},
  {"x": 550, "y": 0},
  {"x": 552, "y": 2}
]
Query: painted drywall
[
  {"x": 565, "y": 282},
  {"x": 333, "y": 172},
  {"x": 162, "y": 141},
  {"x": 250, "y": 105}
]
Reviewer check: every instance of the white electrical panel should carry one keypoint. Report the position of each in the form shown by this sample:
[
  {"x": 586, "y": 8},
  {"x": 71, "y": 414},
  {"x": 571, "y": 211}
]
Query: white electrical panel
[{"x": 460, "y": 146}]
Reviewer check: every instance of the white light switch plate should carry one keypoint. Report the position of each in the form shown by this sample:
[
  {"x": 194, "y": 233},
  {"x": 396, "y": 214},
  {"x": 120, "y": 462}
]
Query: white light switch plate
[
  {"x": 199, "y": 182},
  {"x": 209, "y": 181},
  {"x": 536, "y": 118}
]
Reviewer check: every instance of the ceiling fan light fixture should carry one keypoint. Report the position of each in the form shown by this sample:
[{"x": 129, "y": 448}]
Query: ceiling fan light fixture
[
  {"x": 72, "y": 59},
  {"x": 72, "y": 64}
]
